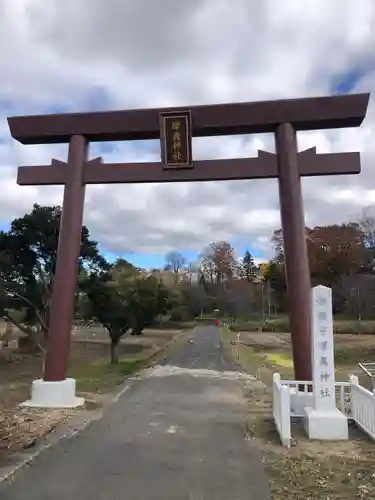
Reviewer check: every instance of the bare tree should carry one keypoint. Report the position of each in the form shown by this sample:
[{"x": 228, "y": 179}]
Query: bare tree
[
  {"x": 207, "y": 268},
  {"x": 175, "y": 262},
  {"x": 367, "y": 225},
  {"x": 217, "y": 261},
  {"x": 191, "y": 269},
  {"x": 356, "y": 294}
]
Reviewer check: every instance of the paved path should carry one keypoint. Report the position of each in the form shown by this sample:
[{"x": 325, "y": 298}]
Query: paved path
[{"x": 176, "y": 434}]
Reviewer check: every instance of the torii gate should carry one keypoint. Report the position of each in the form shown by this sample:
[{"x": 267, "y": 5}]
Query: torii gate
[{"x": 176, "y": 127}]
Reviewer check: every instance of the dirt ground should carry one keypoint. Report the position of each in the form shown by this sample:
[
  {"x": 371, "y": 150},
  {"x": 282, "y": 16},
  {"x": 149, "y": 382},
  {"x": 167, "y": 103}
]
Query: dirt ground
[
  {"x": 276, "y": 351},
  {"x": 282, "y": 340},
  {"x": 314, "y": 470},
  {"x": 89, "y": 365},
  {"x": 309, "y": 469}
]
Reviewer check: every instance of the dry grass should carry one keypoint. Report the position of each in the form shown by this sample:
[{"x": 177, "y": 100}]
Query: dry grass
[
  {"x": 20, "y": 428},
  {"x": 311, "y": 470},
  {"x": 272, "y": 352},
  {"x": 280, "y": 324}
]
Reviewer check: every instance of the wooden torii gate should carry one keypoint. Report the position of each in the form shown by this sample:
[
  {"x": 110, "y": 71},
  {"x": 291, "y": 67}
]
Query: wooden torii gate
[{"x": 175, "y": 128}]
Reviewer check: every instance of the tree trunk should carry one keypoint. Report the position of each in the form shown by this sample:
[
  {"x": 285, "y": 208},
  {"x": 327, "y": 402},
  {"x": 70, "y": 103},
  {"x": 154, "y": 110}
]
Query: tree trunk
[
  {"x": 6, "y": 337},
  {"x": 114, "y": 351},
  {"x": 27, "y": 345}
]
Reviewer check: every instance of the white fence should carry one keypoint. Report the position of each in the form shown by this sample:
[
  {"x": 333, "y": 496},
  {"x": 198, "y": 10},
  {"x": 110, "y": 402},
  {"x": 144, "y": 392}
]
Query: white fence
[
  {"x": 356, "y": 402},
  {"x": 362, "y": 406},
  {"x": 281, "y": 409},
  {"x": 343, "y": 393}
]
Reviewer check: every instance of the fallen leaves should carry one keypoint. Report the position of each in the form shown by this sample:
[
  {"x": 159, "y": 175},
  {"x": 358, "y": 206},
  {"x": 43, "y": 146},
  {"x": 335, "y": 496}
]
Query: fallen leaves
[
  {"x": 313, "y": 470},
  {"x": 20, "y": 428}
]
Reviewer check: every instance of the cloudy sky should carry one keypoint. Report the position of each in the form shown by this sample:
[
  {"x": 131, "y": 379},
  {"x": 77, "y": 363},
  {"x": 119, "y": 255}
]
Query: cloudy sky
[{"x": 116, "y": 54}]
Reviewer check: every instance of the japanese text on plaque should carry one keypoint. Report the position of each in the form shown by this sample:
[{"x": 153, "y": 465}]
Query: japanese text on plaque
[
  {"x": 176, "y": 139},
  {"x": 325, "y": 370}
]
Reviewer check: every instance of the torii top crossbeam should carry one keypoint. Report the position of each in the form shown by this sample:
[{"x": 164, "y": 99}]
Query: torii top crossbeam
[{"x": 211, "y": 120}]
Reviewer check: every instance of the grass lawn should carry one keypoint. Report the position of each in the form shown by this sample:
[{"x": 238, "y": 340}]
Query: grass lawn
[
  {"x": 310, "y": 469},
  {"x": 281, "y": 324},
  {"x": 89, "y": 365}
]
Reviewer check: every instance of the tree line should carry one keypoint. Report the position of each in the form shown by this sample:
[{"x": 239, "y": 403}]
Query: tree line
[
  {"x": 119, "y": 296},
  {"x": 341, "y": 256},
  {"x": 126, "y": 299}
]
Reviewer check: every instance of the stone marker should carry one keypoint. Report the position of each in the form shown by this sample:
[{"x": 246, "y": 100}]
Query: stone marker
[{"x": 324, "y": 420}]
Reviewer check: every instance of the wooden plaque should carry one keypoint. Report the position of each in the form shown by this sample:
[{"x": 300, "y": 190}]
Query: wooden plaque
[{"x": 176, "y": 139}]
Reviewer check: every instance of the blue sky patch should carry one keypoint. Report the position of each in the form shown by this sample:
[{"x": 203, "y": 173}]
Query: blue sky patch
[{"x": 345, "y": 83}]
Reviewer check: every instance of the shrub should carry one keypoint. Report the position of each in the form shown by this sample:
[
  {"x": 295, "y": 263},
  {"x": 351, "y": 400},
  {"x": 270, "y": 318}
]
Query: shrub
[{"x": 175, "y": 315}]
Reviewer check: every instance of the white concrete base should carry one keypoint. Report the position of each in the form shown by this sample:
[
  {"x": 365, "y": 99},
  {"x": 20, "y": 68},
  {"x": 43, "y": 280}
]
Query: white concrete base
[
  {"x": 54, "y": 394},
  {"x": 299, "y": 400},
  {"x": 326, "y": 425}
]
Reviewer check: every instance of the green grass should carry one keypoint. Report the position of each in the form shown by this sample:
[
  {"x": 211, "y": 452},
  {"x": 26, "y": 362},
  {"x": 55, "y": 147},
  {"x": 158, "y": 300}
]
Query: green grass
[
  {"x": 280, "y": 324},
  {"x": 99, "y": 376},
  {"x": 282, "y": 360},
  {"x": 264, "y": 360},
  {"x": 93, "y": 372},
  {"x": 351, "y": 354},
  {"x": 245, "y": 356}
]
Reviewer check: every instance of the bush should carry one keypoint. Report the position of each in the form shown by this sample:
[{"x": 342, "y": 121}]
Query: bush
[
  {"x": 176, "y": 315},
  {"x": 206, "y": 321},
  {"x": 279, "y": 325},
  {"x": 180, "y": 314}
]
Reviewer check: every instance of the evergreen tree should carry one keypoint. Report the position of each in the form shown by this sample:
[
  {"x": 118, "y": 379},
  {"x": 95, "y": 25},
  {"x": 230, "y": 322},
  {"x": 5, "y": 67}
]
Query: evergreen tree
[{"x": 249, "y": 266}]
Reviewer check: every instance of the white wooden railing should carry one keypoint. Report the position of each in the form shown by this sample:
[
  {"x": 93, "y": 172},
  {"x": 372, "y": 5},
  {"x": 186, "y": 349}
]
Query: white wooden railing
[
  {"x": 362, "y": 406},
  {"x": 281, "y": 409},
  {"x": 343, "y": 393},
  {"x": 356, "y": 402}
]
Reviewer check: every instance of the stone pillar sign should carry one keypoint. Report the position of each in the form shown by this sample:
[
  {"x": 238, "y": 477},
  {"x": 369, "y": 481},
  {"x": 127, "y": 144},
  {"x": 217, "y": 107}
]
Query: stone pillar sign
[
  {"x": 322, "y": 349},
  {"x": 324, "y": 420}
]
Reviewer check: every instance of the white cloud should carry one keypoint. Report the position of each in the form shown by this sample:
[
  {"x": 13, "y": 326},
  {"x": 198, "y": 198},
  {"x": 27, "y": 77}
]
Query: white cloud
[{"x": 121, "y": 53}]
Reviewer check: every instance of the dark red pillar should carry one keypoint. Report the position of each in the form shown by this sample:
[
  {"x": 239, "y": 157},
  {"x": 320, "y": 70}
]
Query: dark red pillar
[
  {"x": 295, "y": 248},
  {"x": 65, "y": 279}
]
